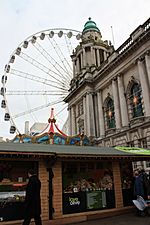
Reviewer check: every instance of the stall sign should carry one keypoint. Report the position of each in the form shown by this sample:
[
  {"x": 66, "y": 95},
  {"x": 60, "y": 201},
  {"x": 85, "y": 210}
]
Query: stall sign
[
  {"x": 74, "y": 202},
  {"x": 133, "y": 150},
  {"x": 96, "y": 199}
]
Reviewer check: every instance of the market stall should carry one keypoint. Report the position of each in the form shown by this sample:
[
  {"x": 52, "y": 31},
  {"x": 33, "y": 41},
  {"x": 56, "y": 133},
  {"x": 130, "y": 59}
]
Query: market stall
[
  {"x": 13, "y": 181},
  {"x": 87, "y": 186},
  {"x": 79, "y": 181}
]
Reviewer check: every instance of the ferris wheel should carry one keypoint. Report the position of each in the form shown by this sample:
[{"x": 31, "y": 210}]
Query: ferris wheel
[{"x": 37, "y": 77}]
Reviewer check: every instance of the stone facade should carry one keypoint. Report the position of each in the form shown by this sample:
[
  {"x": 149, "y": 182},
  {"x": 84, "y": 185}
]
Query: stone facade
[{"x": 109, "y": 97}]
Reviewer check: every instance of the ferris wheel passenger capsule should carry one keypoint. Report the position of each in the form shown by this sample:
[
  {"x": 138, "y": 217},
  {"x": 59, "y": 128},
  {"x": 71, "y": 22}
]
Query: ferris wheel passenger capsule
[
  {"x": 18, "y": 51},
  {"x": 33, "y": 40},
  {"x": 42, "y": 36},
  {"x": 3, "y": 90},
  {"x": 12, "y": 59},
  {"x": 4, "y": 79},
  {"x": 7, "y": 117},
  {"x": 7, "y": 68},
  {"x": 60, "y": 34},
  {"x": 25, "y": 44},
  {"x": 3, "y": 104},
  {"x": 78, "y": 36},
  {"x": 51, "y": 34},
  {"x": 12, "y": 129},
  {"x": 69, "y": 34}
]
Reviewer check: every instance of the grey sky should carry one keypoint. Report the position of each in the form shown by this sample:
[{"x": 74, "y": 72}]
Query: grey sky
[{"x": 22, "y": 18}]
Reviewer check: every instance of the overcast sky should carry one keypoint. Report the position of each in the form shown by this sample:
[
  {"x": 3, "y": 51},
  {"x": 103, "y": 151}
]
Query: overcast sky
[{"x": 22, "y": 18}]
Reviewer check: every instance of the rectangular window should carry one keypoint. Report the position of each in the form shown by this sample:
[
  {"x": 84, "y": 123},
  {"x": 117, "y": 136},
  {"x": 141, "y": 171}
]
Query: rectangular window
[
  {"x": 147, "y": 163},
  {"x": 130, "y": 144},
  {"x": 80, "y": 108},
  {"x": 142, "y": 143}
]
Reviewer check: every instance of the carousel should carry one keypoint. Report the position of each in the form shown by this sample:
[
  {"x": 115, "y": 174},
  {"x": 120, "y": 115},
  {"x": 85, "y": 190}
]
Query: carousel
[{"x": 52, "y": 135}]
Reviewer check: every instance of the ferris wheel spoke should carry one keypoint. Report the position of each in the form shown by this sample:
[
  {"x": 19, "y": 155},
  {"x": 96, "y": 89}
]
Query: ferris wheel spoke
[
  {"x": 61, "y": 56},
  {"x": 61, "y": 110},
  {"x": 40, "y": 66},
  {"x": 52, "y": 61},
  {"x": 37, "y": 108},
  {"x": 49, "y": 93},
  {"x": 38, "y": 79},
  {"x": 29, "y": 107},
  {"x": 69, "y": 45}
]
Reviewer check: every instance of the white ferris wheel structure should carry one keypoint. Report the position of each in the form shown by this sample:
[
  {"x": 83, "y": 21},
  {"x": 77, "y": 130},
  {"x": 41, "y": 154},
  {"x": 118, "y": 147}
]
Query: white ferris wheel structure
[{"x": 37, "y": 78}]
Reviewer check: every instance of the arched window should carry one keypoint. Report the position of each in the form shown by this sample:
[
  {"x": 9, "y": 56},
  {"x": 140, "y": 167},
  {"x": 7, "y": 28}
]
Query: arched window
[
  {"x": 81, "y": 126},
  {"x": 136, "y": 100},
  {"x": 110, "y": 114}
]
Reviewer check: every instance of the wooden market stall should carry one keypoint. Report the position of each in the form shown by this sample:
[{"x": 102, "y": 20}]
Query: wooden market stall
[{"x": 78, "y": 182}]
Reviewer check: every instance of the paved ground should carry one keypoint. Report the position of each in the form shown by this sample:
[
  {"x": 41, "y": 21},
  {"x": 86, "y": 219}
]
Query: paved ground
[{"x": 126, "y": 219}]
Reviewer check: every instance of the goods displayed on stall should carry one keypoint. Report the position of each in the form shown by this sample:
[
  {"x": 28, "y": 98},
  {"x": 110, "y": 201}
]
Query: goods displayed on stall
[{"x": 13, "y": 181}]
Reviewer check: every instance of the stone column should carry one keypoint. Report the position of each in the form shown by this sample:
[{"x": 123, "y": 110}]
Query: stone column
[
  {"x": 90, "y": 115},
  {"x": 93, "y": 59},
  {"x": 78, "y": 66},
  {"x": 101, "y": 114},
  {"x": 85, "y": 115},
  {"x": 144, "y": 85},
  {"x": 123, "y": 103},
  {"x": 105, "y": 55},
  {"x": 81, "y": 55},
  {"x": 147, "y": 62},
  {"x": 74, "y": 68},
  {"x": 96, "y": 115},
  {"x": 70, "y": 121},
  {"x": 73, "y": 121},
  {"x": 116, "y": 104},
  {"x": 98, "y": 57},
  {"x": 84, "y": 58}
]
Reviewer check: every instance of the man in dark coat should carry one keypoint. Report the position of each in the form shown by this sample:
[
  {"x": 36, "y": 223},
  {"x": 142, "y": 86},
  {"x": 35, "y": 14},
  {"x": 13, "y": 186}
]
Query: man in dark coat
[
  {"x": 138, "y": 185},
  {"x": 148, "y": 187},
  {"x": 32, "y": 200}
]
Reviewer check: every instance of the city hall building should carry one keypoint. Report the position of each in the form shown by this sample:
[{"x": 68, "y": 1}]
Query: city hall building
[{"x": 109, "y": 98}]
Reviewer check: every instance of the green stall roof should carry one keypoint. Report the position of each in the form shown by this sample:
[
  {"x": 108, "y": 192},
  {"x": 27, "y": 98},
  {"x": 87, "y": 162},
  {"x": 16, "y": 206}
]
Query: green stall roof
[{"x": 71, "y": 150}]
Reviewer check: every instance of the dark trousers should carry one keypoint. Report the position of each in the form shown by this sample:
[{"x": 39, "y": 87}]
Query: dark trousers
[{"x": 37, "y": 220}]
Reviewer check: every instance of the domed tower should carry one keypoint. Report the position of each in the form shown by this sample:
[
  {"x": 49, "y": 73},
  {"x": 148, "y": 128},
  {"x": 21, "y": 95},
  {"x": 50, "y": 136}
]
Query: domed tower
[
  {"x": 92, "y": 50},
  {"x": 88, "y": 57}
]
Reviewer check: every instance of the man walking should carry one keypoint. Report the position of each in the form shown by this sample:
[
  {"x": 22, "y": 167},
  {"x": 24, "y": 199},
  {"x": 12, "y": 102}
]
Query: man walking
[{"x": 32, "y": 200}]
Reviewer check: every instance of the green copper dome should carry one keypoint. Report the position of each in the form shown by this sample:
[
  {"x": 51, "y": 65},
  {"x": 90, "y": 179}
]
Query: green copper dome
[{"x": 90, "y": 25}]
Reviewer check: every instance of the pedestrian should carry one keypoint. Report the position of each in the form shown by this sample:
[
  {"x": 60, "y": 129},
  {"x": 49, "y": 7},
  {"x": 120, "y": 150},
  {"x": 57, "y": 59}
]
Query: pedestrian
[
  {"x": 32, "y": 200},
  {"x": 144, "y": 177},
  {"x": 148, "y": 187},
  {"x": 138, "y": 185}
]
